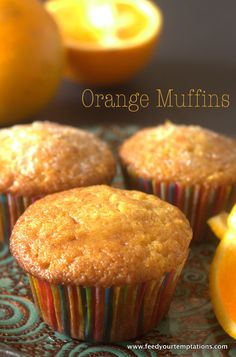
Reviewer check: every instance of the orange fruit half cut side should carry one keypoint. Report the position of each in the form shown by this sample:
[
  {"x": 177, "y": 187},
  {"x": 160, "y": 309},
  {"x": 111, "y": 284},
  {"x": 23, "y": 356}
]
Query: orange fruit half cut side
[
  {"x": 223, "y": 283},
  {"x": 92, "y": 23},
  {"x": 107, "y": 41}
]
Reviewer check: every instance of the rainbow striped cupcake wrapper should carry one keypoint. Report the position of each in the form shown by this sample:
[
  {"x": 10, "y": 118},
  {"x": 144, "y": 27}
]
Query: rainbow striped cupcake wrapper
[
  {"x": 197, "y": 202},
  {"x": 11, "y": 208},
  {"x": 98, "y": 314}
]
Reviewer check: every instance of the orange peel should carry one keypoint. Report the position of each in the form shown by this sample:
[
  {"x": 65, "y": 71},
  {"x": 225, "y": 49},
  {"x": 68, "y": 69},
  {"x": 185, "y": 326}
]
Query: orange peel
[{"x": 31, "y": 59}]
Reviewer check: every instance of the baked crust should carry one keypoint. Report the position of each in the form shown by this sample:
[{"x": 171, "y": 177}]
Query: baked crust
[
  {"x": 100, "y": 236},
  {"x": 179, "y": 153},
  {"x": 44, "y": 157}
]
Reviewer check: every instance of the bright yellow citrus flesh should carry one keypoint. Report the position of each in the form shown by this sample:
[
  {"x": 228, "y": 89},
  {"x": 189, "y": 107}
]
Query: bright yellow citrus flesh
[
  {"x": 107, "y": 42},
  {"x": 232, "y": 219},
  {"x": 222, "y": 272},
  {"x": 223, "y": 284},
  {"x": 223, "y": 224},
  {"x": 218, "y": 224}
]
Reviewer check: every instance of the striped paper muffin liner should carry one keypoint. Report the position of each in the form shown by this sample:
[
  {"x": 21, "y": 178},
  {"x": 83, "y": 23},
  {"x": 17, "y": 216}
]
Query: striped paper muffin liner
[
  {"x": 196, "y": 201},
  {"x": 98, "y": 314},
  {"x": 11, "y": 208}
]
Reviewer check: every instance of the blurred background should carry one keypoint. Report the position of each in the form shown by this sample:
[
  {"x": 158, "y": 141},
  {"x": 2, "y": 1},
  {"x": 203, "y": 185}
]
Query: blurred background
[{"x": 197, "y": 50}]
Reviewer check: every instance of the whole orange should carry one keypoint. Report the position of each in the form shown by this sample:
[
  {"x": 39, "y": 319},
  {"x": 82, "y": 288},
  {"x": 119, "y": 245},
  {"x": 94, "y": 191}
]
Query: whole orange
[{"x": 31, "y": 58}]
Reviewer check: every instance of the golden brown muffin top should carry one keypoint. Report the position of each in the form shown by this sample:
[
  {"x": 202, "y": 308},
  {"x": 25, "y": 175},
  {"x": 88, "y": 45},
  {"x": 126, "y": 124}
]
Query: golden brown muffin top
[
  {"x": 100, "y": 236},
  {"x": 45, "y": 157},
  {"x": 179, "y": 153}
]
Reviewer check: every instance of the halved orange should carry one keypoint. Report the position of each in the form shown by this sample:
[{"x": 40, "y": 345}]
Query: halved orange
[
  {"x": 223, "y": 275},
  {"x": 107, "y": 41}
]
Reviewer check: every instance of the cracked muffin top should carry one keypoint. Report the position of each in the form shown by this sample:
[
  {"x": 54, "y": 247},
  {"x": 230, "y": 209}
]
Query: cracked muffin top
[
  {"x": 100, "y": 236},
  {"x": 44, "y": 157},
  {"x": 179, "y": 153}
]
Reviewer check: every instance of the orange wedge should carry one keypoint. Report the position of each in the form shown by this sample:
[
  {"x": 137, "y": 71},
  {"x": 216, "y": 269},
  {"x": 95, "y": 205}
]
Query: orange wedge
[
  {"x": 232, "y": 219},
  {"x": 218, "y": 224},
  {"x": 223, "y": 277},
  {"x": 107, "y": 41}
]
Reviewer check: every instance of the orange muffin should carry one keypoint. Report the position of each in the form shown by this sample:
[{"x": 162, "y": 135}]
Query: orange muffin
[
  {"x": 188, "y": 166},
  {"x": 42, "y": 158},
  {"x": 116, "y": 255}
]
